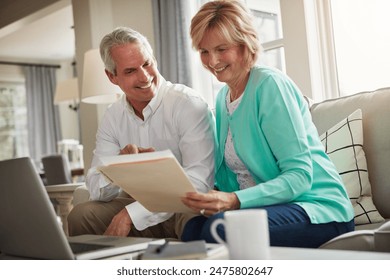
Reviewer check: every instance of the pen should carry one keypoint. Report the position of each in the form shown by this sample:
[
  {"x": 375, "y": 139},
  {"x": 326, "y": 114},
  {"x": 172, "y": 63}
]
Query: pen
[{"x": 162, "y": 247}]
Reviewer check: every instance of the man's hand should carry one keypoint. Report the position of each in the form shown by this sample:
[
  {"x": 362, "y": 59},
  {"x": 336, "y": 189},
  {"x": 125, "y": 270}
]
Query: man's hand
[
  {"x": 120, "y": 224},
  {"x": 133, "y": 149}
]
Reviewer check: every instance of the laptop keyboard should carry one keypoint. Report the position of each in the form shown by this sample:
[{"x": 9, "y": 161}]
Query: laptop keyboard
[{"x": 83, "y": 247}]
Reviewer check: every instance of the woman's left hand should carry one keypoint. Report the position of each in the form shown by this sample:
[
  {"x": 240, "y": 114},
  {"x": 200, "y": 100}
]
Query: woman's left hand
[{"x": 212, "y": 202}]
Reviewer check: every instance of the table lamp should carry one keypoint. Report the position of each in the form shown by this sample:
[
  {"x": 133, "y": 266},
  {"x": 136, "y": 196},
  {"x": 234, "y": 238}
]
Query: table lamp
[
  {"x": 97, "y": 88},
  {"x": 67, "y": 90}
]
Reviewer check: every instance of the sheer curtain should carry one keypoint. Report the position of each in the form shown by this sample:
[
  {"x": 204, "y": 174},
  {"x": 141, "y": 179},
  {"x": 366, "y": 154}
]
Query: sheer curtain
[
  {"x": 43, "y": 117},
  {"x": 173, "y": 45}
]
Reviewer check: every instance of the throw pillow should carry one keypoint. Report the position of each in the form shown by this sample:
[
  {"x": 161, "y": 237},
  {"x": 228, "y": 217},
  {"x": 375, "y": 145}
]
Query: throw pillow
[{"x": 344, "y": 145}]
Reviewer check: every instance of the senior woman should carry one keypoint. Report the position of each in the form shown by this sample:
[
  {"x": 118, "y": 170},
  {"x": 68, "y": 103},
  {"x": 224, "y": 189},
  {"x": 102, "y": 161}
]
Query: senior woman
[{"x": 269, "y": 153}]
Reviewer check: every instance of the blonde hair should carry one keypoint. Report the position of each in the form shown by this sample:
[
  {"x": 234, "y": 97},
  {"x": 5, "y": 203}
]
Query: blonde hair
[{"x": 233, "y": 21}]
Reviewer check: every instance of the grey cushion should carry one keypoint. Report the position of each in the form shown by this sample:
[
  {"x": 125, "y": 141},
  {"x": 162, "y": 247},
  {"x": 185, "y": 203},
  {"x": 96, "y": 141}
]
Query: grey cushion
[
  {"x": 361, "y": 240},
  {"x": 382, "y": 238}
]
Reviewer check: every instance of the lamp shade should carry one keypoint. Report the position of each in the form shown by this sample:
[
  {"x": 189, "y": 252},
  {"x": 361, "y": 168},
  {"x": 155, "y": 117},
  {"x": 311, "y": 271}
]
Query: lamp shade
[
  {"x": 97, "y": 88},
  {"x": 67, "y": 90}
]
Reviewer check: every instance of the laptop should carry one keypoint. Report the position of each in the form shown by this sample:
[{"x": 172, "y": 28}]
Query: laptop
[{"x": 30, "y": 228}]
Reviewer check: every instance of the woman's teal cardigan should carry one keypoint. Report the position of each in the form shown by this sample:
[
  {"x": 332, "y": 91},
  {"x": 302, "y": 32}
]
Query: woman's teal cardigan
[{"x": 275, "y": 138}]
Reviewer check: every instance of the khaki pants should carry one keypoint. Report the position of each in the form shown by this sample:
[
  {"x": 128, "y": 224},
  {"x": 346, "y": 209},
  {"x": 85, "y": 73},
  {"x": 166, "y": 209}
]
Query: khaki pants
[{"x": 93, "y": 217}]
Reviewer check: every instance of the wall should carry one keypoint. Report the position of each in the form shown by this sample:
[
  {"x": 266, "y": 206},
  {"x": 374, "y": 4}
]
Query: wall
[
  {"x": 137, "y": 14},
  {"x": 11, "y": 73},
  {"x": 296, "y": 44},
  {"x": 69, "y": 118}
]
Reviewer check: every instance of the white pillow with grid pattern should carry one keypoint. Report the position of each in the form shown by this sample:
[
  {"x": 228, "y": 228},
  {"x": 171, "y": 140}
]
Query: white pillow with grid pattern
[{"x": 344, "y": 145}]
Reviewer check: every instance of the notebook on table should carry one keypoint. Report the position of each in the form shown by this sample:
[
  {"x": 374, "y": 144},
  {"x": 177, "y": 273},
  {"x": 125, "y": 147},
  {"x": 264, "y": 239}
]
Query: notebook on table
[{"x": 29, "y": 227}]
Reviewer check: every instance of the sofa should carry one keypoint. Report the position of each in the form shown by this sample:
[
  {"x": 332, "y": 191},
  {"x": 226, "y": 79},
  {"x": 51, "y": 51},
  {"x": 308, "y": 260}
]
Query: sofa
[
  {"x": 371, "y": 180},
  {"x": 375, "y": 138}
]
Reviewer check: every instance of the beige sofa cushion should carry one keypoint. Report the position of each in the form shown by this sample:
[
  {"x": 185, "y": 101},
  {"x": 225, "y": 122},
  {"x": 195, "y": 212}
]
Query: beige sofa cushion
[{"x": 375, "y": 108}]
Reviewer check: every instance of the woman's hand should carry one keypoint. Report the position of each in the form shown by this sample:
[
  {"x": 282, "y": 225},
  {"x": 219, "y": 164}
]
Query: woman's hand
[{"x": 212, "y": 202}]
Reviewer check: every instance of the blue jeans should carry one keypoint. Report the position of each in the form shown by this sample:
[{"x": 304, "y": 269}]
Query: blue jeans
[{"x": 289, "y": 226}]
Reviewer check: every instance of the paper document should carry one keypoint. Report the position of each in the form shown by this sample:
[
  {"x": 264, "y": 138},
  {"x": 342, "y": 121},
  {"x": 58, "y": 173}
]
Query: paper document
[{"x": 155, "y": 179}]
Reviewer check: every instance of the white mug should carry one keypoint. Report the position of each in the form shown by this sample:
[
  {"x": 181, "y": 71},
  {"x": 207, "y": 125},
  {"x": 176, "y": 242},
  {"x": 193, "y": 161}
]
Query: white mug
[{"x": 247, "y": 235}]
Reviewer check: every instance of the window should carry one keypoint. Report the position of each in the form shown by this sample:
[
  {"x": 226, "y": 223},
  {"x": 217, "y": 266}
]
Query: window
[
  {"x": 347, "y": 44},
  {"x": 269, "y": 27},
  {"x": 13, "y": 120},
  {"x": 362, "y": 43}
]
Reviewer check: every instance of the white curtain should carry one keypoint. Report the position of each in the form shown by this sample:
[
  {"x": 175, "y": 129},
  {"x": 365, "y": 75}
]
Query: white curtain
[{"x": 43, "y": 118}]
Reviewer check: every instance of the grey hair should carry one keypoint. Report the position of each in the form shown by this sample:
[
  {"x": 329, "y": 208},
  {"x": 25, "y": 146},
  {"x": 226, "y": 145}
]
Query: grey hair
[{"x": 120, "y": 36}]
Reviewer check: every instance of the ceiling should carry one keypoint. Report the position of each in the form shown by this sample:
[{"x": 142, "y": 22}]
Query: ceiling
[{"x": 45, "y": 38}]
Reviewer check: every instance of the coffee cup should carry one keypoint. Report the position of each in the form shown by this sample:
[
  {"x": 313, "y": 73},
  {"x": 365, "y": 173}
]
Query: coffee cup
[{"x": 247, "y": 234}]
